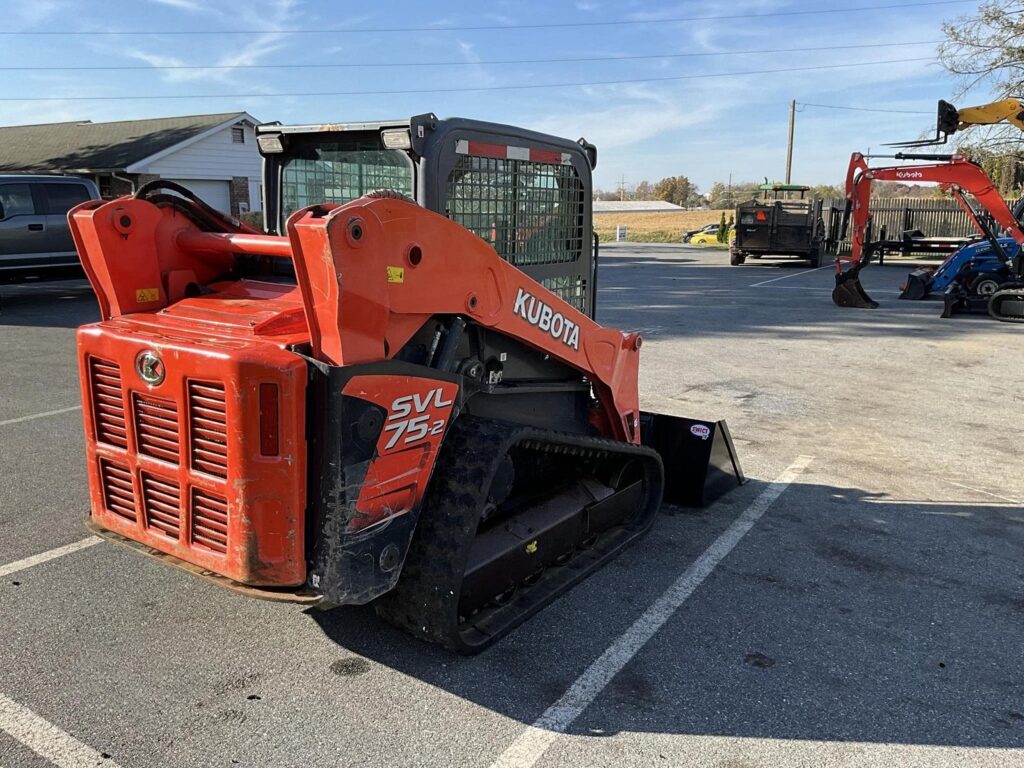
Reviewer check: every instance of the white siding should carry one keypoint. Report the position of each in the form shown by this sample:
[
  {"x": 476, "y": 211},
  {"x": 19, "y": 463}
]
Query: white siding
[
  {"x": 255, "y": 194},
  {"x": 214, "y": 193},
  {"x": 214, "y": 157}
]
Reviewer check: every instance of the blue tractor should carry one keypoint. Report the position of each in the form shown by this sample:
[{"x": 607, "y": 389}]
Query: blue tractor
[
  {"x": 969, "y": 277},
  {"x": 976, "y": 266}
]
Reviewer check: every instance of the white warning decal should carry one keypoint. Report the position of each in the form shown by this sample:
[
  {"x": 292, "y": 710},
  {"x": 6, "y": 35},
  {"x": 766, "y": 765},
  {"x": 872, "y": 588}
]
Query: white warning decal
[{"x": 536, "y": 312}]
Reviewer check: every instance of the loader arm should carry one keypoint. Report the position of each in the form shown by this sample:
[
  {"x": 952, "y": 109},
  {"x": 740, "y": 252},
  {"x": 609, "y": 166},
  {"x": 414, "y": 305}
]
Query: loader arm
[
  {"x": 373, "y": 272},
  {"x": 952, "y": 173},
  {"x": 1007, "y": 110}
]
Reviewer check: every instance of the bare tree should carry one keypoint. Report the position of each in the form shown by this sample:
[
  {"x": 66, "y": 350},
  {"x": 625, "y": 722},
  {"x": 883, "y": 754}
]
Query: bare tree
[{"x": 985, "y": 50}]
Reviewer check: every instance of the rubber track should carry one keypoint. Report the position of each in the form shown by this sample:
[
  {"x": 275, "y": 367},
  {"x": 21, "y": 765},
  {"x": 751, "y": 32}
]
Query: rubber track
[
  {"x": 1007, "y": 293},
  {"x": 425, "y": 601}
]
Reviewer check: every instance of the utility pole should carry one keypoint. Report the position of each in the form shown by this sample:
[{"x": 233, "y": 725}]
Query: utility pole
[
  {"x": 622, "y": 188},
  {"x": 729, "y": 190},
  {"x": 789, "y": 145}
]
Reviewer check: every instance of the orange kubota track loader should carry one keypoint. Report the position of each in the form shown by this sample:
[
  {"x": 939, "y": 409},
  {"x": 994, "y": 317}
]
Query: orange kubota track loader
[{"x": 409, "y": 419}]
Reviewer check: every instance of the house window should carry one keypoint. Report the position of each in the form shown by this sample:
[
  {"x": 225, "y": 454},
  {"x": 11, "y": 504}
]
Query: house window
[{"x": 237, "y": 135}]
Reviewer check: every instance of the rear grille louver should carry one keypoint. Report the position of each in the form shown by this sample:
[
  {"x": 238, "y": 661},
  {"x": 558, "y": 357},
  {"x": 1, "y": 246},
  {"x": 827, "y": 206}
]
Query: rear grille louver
[
  {"x": 107, "y": 402},
  {"x": 161, "y": 501},
  {"x": 208, "y": 428},
  {"x": 118, "y": 492},
  {"x": 209, "y": 520},
  {"x": 188, "y": 437},
  {"x": 156, "y": 427}
]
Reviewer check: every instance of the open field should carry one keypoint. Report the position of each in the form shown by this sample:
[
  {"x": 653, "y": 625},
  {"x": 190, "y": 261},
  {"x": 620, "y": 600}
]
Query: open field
[
  {"x": 665, "y": 227},
  {"x": 857, "y": 603}
]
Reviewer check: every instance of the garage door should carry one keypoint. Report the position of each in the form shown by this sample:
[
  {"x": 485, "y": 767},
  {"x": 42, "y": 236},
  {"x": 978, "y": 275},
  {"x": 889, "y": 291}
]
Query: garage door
[{"x": 213, "y": 193}]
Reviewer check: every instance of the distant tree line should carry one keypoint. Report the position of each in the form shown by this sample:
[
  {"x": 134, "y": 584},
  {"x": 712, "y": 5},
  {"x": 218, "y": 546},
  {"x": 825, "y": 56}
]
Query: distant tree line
[
  {"x": 1005, "y": 170},
  {"x": 677, "y": 190}
]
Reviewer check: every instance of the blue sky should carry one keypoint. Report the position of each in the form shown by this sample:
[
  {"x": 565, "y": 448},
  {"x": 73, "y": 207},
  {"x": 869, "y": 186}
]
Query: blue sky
[{"x": 704, "y": 127}]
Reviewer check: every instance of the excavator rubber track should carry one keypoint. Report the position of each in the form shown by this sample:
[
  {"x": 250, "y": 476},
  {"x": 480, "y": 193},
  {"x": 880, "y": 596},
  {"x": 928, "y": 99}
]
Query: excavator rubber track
[
  {"x": 1007, "y": 304},
  {"x": 461, "y": 587}
]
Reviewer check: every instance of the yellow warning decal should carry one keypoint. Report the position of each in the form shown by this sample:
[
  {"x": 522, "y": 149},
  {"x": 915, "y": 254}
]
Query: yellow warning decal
[
  {"x": 532, "y": 547},
  {"x": 144, "y": 295},
  {"x": 396, "y": 274}
]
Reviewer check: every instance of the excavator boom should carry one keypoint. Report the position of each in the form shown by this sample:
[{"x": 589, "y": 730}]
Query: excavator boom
[{"x": 954, "y": 173}]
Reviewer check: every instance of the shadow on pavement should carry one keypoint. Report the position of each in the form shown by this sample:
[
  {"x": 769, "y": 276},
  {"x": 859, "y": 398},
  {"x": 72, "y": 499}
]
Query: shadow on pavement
[
  {"x": 58, "y": 304},
  {"x": 843, "y": 615}
]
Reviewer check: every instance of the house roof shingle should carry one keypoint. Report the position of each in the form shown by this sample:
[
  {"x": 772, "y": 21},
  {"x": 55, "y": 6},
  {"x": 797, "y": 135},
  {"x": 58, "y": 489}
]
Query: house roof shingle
[{"x": 88, "y": 146}]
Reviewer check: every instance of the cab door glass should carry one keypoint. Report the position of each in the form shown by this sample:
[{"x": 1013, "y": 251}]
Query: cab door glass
[{"x": 16, "y": 200}]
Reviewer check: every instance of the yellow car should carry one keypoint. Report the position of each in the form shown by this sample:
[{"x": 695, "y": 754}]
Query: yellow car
[{"x": 709, "y": 237}]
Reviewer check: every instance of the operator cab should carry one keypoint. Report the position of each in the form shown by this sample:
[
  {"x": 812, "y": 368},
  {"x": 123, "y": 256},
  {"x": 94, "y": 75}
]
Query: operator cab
[{"x": 527, "y": 194}]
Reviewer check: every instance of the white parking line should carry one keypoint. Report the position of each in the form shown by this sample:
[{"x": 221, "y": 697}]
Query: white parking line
[
  {"x": 530, "y": 745},
  {"x": 43, "y": 557},
  {"x": 46, "y": 739},
  {"x": 42, "y": 415},
  {"x": 786, "y": 277},
  {"x": 986, "y": 493}
]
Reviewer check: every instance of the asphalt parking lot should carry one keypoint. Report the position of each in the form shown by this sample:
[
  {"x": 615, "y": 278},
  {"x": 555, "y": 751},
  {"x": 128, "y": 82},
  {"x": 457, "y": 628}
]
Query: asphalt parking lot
[{"x": 870, "y": 616}]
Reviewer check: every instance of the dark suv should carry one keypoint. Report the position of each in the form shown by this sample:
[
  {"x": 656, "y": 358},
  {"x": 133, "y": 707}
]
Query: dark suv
[{"x": 35, "y": 241}]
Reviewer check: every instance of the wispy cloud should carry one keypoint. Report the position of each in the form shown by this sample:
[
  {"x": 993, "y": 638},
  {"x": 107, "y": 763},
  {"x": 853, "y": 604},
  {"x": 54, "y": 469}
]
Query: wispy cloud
[
  {"x": 272, "y": 15},
  {"x": 479, "y": 75},
  {"x": 28, "y": 15},
  {"x": 191, "y": 6}
]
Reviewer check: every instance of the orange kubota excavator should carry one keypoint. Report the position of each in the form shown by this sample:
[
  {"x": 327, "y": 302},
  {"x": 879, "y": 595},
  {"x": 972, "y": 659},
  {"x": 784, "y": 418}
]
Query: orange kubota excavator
[
  {"x": 960, "y": 177},
  {"x": 419, "y": 411}
]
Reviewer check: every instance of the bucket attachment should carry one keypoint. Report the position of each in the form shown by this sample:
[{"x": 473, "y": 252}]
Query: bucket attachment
[
  {"x": 700, "y": 460},
  {"x": 850, "y": 293},
  {"x": 918, "y": 285}
]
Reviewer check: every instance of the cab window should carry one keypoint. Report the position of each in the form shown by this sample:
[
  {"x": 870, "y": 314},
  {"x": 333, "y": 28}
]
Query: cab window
[{"x": 342, "y": 171}]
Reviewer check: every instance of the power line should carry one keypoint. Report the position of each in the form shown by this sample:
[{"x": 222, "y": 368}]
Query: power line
[
  {"x": 531, "y": 86},
  {"x": 378, "y": 65},
  {"x": 478, "y": 28},
  {"x": 865, "y": 109}
]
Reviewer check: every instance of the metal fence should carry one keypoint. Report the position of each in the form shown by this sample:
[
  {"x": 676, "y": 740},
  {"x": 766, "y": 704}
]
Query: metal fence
[{"x": 934, "y": 217}]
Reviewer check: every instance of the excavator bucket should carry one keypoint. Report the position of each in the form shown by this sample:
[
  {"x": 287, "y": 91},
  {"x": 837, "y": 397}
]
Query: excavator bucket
[
  {"x": 850, "y": 293},
  {"x": 918, "y": 285},
  {"x": 699, "y": 458}
]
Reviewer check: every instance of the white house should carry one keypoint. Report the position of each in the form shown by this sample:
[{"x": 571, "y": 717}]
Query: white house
[{"x": 213, "y": 155}]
